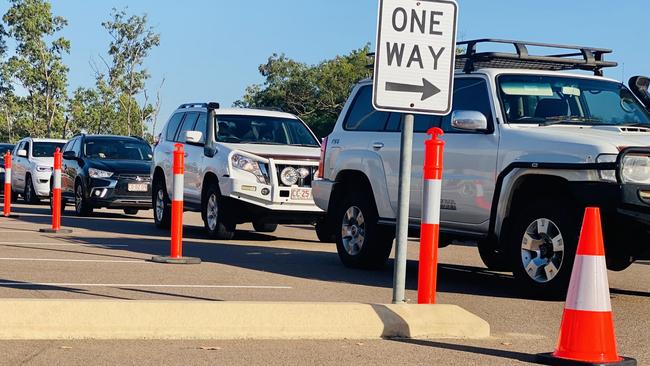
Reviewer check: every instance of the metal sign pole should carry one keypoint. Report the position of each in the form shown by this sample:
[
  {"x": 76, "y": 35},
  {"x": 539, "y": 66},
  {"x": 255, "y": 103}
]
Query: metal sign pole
[{"x": 404, "y": 190}]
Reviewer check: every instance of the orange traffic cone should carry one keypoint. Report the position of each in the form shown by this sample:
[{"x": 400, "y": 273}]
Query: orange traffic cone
[{"x": 587, "y": 331}]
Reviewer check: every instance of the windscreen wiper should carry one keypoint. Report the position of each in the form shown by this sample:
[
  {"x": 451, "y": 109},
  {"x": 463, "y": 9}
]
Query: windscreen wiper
[{"x": 568, "y": 119}]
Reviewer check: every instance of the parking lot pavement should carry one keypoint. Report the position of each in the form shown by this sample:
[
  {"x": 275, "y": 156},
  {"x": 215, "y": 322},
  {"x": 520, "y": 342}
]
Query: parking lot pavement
[{"x": 107, "y": 255}]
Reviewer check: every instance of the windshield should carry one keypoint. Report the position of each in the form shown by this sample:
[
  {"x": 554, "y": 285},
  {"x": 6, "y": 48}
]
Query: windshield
[
  {"x": 45, "y": 149},
  {"x": 264, "y": 130},
  {"x": 548, "y": 100},
  {"x": 117, "y": 149}
]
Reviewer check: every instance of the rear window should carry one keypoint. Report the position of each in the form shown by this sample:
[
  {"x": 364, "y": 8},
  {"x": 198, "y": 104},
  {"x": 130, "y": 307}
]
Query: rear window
[{"x": 362, "y": 116}]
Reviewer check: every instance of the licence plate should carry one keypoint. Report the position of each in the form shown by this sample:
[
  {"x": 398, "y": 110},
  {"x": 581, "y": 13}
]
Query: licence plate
[
  {"x": 137, "y": 187},
  {"x": 300, "y": 194}
]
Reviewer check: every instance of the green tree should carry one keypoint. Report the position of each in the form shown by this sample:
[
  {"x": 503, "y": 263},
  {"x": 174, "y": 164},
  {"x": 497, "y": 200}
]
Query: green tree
[
  {"x": 37, "y": 66},
  {"x": 315, "y": 93},
  {"x": 132, "y": 40}
]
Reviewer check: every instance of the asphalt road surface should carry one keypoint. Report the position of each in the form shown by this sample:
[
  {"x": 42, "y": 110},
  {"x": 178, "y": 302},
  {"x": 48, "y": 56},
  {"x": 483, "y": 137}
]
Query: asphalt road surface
[{"x": 106, "y": 257}]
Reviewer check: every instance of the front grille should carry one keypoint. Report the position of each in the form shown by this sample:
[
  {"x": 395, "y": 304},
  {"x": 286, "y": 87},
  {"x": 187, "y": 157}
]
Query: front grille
[
  {"x": 306, "y": 182},
  {"x": 123, "y": 180}
]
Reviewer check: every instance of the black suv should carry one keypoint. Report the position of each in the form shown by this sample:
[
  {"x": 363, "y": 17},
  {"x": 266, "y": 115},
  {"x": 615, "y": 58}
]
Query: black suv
[{"x": 106, "y": 171}]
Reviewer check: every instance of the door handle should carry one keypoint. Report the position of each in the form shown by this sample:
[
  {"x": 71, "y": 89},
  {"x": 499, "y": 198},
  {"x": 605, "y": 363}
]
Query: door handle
[{"x": 377, "y": 145}]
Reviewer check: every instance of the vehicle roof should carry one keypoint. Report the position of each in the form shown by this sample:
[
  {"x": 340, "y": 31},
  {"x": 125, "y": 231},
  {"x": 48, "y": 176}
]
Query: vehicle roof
[
  {"x": 38, "y": 139},
  {"x": 243, "y": 112},
  {"x": 114, "y": 137}
]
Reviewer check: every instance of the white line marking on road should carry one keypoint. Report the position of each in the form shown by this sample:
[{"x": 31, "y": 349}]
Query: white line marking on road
[
  {"x": 75, "y": 260},
  {"x": 7, "y": 243},
  {"x": 53, "y": 284}
]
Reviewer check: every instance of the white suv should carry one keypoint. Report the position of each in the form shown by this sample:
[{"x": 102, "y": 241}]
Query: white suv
[
  {"x": 32, "y": 162},
  {"x": 241, "y": 165},
  {"x": 527, "y": 148}
]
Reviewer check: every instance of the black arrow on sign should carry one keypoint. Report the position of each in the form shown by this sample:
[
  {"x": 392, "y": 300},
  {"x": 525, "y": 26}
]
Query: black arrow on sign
[{"x": 427, "y": 89}]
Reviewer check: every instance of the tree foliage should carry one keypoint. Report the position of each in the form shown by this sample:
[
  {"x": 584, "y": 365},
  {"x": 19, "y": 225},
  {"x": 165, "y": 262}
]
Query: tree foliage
[{"x": 315, "y": 93}]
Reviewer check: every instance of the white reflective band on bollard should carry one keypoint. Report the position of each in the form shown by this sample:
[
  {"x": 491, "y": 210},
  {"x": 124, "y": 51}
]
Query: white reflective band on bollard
[
  {"x": 8, "y": 176},
  {"x": 56, "y": 181},
  {"x": 432, "y": 193},
  {"x": 592, "y": 295},
  {"x": 178, "y": 187}
]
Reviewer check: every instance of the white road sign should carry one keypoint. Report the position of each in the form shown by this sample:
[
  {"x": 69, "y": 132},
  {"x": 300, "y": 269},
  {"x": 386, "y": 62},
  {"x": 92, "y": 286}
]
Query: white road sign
[{"x": 414, "y": 61}]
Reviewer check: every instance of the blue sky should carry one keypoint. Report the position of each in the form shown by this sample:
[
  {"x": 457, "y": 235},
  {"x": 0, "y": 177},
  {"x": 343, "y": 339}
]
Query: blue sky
[{"x": 210, "y": 50}]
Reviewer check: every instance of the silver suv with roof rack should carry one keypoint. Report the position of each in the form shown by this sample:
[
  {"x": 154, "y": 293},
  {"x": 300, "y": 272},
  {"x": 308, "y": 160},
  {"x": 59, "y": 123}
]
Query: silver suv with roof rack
[
  {"x": 528, "y": 146},
  {"x": 241, "y": 165}
]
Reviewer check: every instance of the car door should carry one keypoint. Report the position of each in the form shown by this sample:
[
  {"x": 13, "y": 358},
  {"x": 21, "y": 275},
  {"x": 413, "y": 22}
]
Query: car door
[
  {"x": 19, "y": 168},
  {"x": 165, "y": 148},
  {"x": 193, "y": 155},
  {"x": 194, "y": 162},
  {"x": 470, "y": 159},
  {"x": 68, "y": 168}
]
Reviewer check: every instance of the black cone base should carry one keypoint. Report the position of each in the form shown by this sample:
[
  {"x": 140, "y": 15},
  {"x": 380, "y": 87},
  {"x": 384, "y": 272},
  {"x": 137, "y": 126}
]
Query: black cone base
[
  {"x": 181, "y": 260},
  {"x": 52, "y": 231},
  {"x": 549, "y": 359}
]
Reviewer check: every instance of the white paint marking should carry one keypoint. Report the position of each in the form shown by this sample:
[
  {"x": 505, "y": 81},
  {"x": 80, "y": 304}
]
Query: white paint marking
[
  {"x": 65, "y": 244},
  {"x": 34, "y": 284},
  {"x": 74, "y": 260}
]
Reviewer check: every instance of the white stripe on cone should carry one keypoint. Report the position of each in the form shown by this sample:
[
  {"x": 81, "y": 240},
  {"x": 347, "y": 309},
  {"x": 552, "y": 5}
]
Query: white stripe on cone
[
  {"x": 178, "y": 187},
  {"x": 8, "y": 175},
  {"x": 591, "y": 294},
  {"x": 56, "y": 182},
  {"x": 431, "y": 201}
]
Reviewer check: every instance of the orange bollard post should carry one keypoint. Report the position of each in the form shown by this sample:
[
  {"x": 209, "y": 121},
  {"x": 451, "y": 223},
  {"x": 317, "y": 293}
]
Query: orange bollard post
[
  {"x": 7, "y": 192},
  {"x": 56, "y": 196},
  {"x": 430, "y": 223},
  {"x": 178, "y": 183},
  {"x": 587, "y": 334}
]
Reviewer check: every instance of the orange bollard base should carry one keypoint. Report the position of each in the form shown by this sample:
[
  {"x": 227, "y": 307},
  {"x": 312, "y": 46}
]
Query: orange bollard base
[
  {"x": 52, "y": 231},
  {"x": 549, "y": 359},
  {"x": 181, "y": 260}
]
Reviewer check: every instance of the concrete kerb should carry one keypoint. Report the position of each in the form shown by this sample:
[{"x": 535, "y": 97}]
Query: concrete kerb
[{"x": 113, "y": 319}]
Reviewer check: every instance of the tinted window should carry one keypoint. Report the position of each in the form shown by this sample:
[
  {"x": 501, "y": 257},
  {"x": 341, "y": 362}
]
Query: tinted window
[
  {"x": 362, "y": 116},
  {"x": 26, "y": 147},
  {"x": 469, "y": 95},
  {"x": 45, "y": 149},
  {"x": 188, "y": 125},
  {"x": 422, "y": 122},
  {"x": 172, "y": 126},
  {"x": 263, "y": 130},
  {"x": 116, "y": 149},
  {"x": 76, "y": 146},
  {"x": 201, "y": 125}
]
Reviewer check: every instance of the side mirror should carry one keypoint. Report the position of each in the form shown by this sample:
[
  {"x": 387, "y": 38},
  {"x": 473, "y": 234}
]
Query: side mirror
[
  {"x": 22, "y": 153},
  {"x": 469, "y": 121},
  {"x": 640, "y": 86},
  {"x": 194, "y": 137},
  {"x": 69, "y": 155}
]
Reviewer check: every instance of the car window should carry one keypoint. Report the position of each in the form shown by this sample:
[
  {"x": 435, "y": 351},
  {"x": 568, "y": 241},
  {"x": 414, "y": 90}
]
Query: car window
[
  {"x": 26, "y": 147},
  {"x": 19, "y": 147},
  {"x": 45, "y": 149},
  {"x": 172, "y": 126},
  {"x": 116, "y": 149},
  {"x": 470, "y": 94},
  {"x": 188, "y": 125},
  {"x": 201, "y": 125},
  {"x": 76, "y": 146},
  {"x": 362, "y": 116},
  {"x": 422, "y": 122}
]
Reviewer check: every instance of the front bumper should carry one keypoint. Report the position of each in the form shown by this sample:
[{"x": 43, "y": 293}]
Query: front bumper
[
  {"x": 277, "y": 198},
  {"x": 41, "y": 182},
  {"x": 115, "y": 193}
]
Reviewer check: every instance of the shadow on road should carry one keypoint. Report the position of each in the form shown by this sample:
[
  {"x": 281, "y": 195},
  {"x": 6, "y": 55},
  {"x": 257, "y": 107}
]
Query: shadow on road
[
  {"x": 44, "y": 287},
  {"x": 518, "y": 356}
]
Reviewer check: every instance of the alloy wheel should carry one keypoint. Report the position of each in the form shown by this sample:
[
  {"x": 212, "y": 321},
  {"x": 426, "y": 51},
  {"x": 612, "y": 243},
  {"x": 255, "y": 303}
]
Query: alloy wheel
[
  {"x": 353, "y": 230},
  {"x": 212, "y": 212},
  {"x": 542, "y": 250}
]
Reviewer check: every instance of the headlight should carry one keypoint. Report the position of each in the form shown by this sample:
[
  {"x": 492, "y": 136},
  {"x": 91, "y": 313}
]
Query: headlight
[
  {"x": 607, "y": 175},
  {"x": 98, "y": 173},
  {"x": 248, "y": 165},
  {"x": 43, "y": 169},
  {"x": 289, "y": 176},
  {"x": 635, "y": 169}
]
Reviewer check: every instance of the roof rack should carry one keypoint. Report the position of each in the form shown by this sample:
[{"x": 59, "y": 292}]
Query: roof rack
[
  {"x": 587, "y": 58},
  {"x": 212, "y": 105}
]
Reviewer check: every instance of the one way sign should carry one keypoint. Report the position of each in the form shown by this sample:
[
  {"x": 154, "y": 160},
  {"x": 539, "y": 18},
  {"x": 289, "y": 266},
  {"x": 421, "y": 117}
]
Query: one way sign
[{"x": 414, "y": 61}]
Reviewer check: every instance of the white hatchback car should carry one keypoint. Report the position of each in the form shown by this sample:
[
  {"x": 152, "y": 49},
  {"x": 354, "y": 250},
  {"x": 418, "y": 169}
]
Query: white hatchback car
[
  {"x": 32, "y": 163},
  {"x": 241, "y": 165}
]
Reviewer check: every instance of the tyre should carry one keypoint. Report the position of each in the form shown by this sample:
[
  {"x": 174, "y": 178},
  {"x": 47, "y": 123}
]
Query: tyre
[
  {"x": 131, "y": 211},
  {"x": 162, "y": 210},
  {"x": 215, "y": 223},
  {"x": 493, "y": 259},
  {"x": 14, "y": 196},
  {"x": 81, "y": 205},
  {"x": 264, "y": 227},
  {"x": 325, "y": 232},
  {"x": 29, "y": 195},
  {"x": 360, "y": 241},
  {"x": 542, "y": 244}
]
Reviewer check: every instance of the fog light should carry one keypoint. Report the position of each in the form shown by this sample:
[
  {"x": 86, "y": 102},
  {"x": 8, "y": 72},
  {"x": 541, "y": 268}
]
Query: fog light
[
  {"x": 265, "y": 191},
  {"x": 248, "y": 188}
]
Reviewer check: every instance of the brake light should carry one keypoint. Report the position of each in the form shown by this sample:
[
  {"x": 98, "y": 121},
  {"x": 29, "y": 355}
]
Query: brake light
[{"x": 321, "y": 163}]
